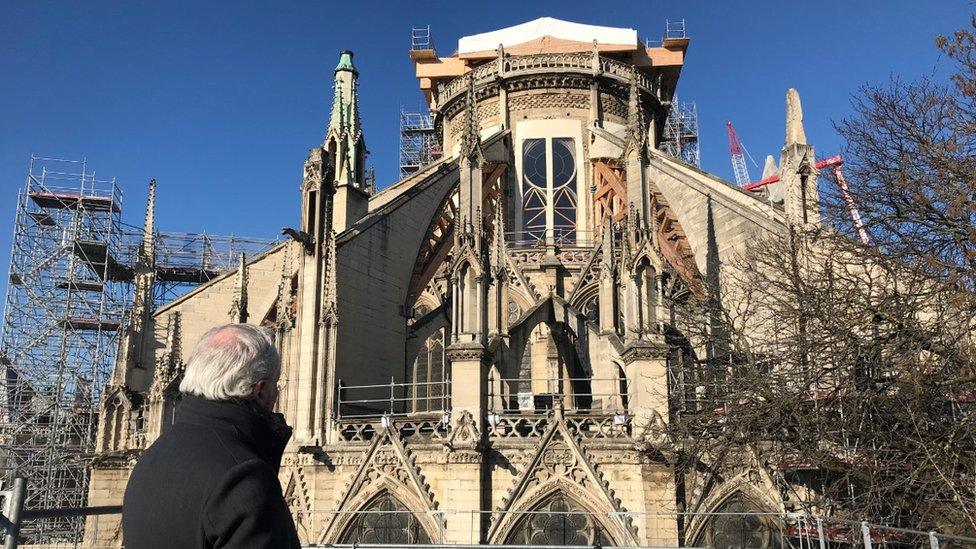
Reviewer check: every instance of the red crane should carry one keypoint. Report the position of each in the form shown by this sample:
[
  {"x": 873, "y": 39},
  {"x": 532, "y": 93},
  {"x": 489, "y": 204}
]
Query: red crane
[
  {"x": 834, "y": 162},
  {"x": 739, "y": 167}
]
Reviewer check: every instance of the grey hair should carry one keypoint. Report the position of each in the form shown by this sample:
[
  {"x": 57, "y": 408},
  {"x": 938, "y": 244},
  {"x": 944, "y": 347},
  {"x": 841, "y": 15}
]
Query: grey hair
[{"x": 228, "y": 360}]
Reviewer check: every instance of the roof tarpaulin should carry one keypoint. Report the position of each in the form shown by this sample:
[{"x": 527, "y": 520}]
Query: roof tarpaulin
[{"x": 546, "y": 26}]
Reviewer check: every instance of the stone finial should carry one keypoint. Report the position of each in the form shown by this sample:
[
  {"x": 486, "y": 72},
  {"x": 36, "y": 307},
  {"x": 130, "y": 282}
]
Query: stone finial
[
  {"x": 345, "y": 62},
  {"x": 147, "y": 247},
  {"x": 471, "y": 133},
  {"x": 794, "y": 119},
  {"x": 329, "y": 293},
  {"x": 499, "y": 250},
  {"x": 636, "y": 126},
  {"x": 173, "y": 336},
  {"x": 238, "y": 311},
  {"x": 170, "y": 363},
  {"x": 770, "y": 169}
]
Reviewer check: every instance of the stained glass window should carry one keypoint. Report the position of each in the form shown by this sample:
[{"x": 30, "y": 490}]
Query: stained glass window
[
  {"x": 737, "y": 524},
  {"x": 549, "y": 180},
  {"x": 564, "y": 190},
  {"x": 534, "y": 189},
  {"x": 429, "y": 374},
  {"x": 385, "y": 521},
  {"x": 557, "y": 521}
]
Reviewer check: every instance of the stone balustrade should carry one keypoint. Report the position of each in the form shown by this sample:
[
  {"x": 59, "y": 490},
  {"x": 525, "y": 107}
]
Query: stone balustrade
[{"x": 525, "y": 65}]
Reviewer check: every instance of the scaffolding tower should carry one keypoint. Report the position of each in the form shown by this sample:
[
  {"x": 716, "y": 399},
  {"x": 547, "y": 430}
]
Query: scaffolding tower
[
  {"x": 63, "y": 321},
  {"x": 419, "y": 145},
  {"x": 69, "y": 291},
  {"x": 680, "y": 138}
]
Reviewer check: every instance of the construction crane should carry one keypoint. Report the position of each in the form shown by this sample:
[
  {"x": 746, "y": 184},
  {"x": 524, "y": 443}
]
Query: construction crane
[
  {"x": 834, "y": 162},
  {"x": 737, "y": 152}
]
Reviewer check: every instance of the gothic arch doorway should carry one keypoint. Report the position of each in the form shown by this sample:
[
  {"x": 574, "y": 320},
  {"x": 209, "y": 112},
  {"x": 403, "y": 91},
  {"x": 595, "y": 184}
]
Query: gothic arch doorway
[{"x": 385, "y": 520}]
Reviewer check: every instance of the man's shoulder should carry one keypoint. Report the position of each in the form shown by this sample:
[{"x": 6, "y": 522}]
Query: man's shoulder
[{"x": 190, "y": 443}]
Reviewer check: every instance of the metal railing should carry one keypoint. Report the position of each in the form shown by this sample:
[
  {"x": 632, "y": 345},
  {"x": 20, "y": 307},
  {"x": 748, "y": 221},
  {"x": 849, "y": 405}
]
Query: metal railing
[
  {"x": 392, "y": 399},
  {"x": 16, "y": 516},
  {"x": 456, "y": 529},
  {"x": 561, "y": 237},
  {"x": 572, "y": 394}
]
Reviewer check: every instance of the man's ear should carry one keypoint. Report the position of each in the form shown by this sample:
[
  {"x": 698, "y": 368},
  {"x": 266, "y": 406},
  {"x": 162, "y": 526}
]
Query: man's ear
[{"x": 261, "y": 394}]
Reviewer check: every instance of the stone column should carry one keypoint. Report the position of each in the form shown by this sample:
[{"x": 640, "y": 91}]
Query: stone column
[
  {"x": 646, "y": 367},
  {"x": 469, "y": 404}
]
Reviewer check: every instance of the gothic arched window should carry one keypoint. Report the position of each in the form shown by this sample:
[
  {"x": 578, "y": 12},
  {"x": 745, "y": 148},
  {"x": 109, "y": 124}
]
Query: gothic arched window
[
  {"x": 557, "y": 521},
  {"x": 737, "y": 523},
  {"x": 549, "y": 181},
  {"x": 563, "y": 190},
  {"x": 384, "y": 521},
  {"x": 534, "y": 188},
  {"x": 428, "y": 375}
]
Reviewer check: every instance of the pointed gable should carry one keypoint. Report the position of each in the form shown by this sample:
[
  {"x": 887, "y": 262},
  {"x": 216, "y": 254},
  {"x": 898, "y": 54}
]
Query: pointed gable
[
  {"x": 560, "y": 464},
  {"x": 387, "y": 466}
]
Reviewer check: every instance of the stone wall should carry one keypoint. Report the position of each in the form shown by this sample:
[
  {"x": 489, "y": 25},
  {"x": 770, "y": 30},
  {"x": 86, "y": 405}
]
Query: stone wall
[{"x": 374, "y": 265}]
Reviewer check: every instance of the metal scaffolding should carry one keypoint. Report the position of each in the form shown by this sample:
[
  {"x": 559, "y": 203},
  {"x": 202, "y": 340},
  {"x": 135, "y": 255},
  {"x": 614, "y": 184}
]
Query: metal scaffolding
[
  {"x": 680, "y": 138},
  {"x": 419, "y": 145},
  {"x": 69, "y": 291}
]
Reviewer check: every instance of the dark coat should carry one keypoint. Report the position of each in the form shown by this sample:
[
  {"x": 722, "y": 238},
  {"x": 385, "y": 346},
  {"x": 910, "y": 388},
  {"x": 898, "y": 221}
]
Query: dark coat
[{"x": 211, "y": 480}]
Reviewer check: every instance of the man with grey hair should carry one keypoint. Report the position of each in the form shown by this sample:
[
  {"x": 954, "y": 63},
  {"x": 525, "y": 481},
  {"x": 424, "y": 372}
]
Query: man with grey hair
[{"x": 211, "y": 479}]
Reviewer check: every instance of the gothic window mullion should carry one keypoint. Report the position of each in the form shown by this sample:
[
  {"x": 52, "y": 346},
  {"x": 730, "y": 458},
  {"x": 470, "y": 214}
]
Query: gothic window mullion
[{"x": 549, "y": 183}]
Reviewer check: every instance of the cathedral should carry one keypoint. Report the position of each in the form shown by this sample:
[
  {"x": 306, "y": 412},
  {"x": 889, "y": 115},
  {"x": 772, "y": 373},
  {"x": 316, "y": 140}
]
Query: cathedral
[{"x": 488, "y": 350}]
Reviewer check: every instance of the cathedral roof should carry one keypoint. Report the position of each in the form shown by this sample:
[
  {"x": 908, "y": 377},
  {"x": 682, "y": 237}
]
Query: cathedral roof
[{"x": 556, "y": 30}]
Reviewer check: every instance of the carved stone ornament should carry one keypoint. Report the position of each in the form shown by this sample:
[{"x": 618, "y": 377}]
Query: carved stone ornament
[
  {"x": 560, "y": 464},
  {"x": 387, "y": 466}
]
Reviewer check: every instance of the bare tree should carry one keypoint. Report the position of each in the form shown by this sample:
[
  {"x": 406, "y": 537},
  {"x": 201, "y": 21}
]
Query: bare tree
[{"x": 849, "y": 371}]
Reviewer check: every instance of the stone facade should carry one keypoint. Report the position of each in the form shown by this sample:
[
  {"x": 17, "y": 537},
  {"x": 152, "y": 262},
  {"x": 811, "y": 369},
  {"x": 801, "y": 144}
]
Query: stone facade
[{"x": 488, "y": 340}]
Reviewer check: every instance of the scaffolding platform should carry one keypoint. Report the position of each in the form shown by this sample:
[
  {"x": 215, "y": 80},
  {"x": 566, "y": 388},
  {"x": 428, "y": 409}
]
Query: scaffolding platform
[
  {"x": 95, "y": 255},
  {"x": 74, "y": 200},
  {"x": 77, "y": 323},
  {"x": 42, "y": 218},
  {"x": 82, "y": 285}
]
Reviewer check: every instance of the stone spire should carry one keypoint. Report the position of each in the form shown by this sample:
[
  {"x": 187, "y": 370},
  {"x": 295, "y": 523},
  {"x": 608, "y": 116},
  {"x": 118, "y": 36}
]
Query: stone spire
[
  {"x": 139, "y": 331},
  {"x": 798, "y": 174},
  {"x": 344, "y": 137},
  {"x": 147, "y": 247},
  {"x": 238, "y": 310},
  {"x": 794, "y": 119},
  {"x": 471, "y": 133},
  {"x": 170, "y": 362},
  {"x": 636, "y": 126},
  {"x": 346, "y": 151},
  {"x": 770, "y": 169},
  {"x": 499, "y": 251}
]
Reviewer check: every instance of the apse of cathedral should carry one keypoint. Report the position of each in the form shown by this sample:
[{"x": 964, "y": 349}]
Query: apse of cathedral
[{"x": 489, "y": 349}]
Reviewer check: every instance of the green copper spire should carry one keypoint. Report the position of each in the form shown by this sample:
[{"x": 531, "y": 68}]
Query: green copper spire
[
  {"x": 345, "y": 62},
  {"x": 344, "y": 136}
]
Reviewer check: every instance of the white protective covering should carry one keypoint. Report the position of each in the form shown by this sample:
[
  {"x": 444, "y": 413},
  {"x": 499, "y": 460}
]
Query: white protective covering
[{"x": 546, "y": 26}]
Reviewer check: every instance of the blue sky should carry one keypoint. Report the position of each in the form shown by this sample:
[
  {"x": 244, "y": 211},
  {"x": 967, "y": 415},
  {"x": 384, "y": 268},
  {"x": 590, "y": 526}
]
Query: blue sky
[{"x": 220, "y": 101}]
